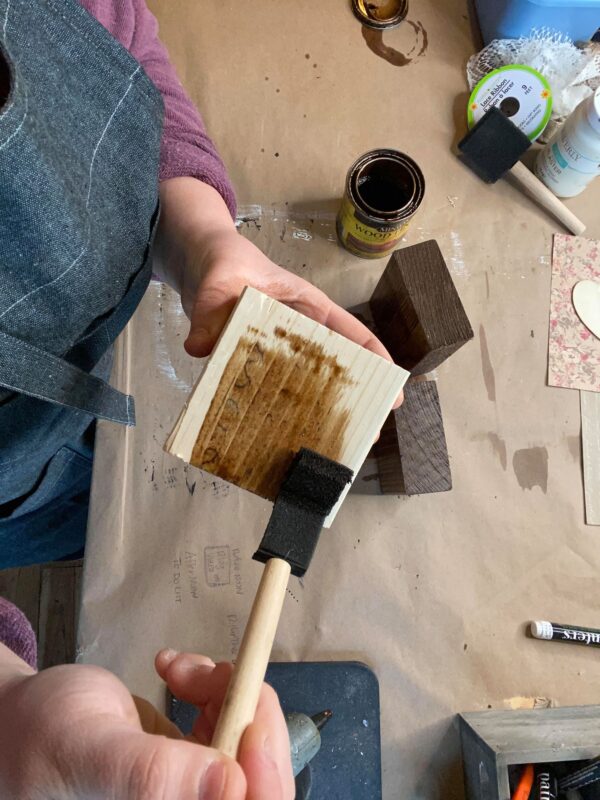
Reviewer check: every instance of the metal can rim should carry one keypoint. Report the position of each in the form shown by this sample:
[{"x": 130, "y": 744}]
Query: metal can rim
[
  {"x": 412, "y": 204},
  {"x": 358, "y": 7}
]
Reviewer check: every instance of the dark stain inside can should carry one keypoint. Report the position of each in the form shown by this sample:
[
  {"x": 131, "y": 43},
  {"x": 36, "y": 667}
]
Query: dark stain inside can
[
  {"x": 384, "y": 186},
  {"x": 382, "y": 195}
]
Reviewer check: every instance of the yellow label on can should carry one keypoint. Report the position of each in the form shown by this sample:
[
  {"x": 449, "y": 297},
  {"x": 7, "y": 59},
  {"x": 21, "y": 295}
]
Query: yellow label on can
[{"x": 372, "y": 241}]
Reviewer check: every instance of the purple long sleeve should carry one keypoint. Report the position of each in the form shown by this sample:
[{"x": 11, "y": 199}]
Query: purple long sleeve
[
  {"x": 186, "y": 149},
  {"x": 16, "y": 633}
]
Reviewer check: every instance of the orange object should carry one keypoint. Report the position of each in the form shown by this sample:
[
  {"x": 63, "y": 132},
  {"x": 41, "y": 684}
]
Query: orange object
[{"x": 525, "y": 785}]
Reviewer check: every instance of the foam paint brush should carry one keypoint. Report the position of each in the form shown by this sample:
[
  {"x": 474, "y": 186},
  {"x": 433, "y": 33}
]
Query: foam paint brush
[
  {"x": 311, "y": 488},
  {"x": 492, "y": 149}
]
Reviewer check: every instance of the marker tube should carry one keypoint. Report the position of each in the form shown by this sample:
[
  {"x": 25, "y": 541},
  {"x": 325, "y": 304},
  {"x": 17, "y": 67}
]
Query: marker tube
[
  {"x": 566, "y": 633},
  {"x": 583, "y": 777}
]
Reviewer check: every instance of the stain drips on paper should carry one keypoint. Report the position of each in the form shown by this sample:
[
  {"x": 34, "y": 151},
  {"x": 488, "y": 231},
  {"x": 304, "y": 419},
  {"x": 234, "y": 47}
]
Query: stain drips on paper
[
  {"x": 269, "y": 403},
  {"x": 531, "y": 468},
  {"x": 499, "y": 446},
  {"x": 375, "y": 43},
  {"x": 574, "y": 445},
  {"x": 489, "y": 377}
]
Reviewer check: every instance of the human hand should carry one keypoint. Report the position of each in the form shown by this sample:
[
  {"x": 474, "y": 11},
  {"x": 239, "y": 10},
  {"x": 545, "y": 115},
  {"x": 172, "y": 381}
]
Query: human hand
[
  {"x": 229, "y": 262},
  {"x": 73, "y": 732},
  {"x": 199, "y": 252}
]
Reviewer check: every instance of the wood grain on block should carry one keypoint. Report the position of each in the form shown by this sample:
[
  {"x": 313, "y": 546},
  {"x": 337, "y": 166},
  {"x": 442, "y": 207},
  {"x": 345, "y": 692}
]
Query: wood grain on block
[
  {"x": 278, "y": 381},
  {"x": 412, "y": 457},
  {"x": 417, "y": 310},
  {"x": 590, "y": 447}
]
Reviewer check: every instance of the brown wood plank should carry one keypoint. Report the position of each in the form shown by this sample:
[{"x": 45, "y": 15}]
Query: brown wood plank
[
  {"x": 417, "y": 311},
  {"x": 59, "y": 600}
]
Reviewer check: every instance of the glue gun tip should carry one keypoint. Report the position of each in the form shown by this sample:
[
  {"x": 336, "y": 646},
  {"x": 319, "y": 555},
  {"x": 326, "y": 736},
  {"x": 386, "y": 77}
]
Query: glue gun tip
[{"x": 322, "y": 718}]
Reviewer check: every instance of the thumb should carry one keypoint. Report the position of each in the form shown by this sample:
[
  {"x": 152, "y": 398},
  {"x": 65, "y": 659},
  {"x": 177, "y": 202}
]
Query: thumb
[
  {"x": 212, "y": 308},
  {"x": 140, "y": 766}
]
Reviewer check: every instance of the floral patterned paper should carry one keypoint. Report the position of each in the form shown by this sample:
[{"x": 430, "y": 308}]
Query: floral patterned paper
[{"x": 573, "y": 351}]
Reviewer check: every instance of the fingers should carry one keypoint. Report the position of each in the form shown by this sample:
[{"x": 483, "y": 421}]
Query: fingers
[
  {"x": 264, "y": 752},
  {"x": 212, "y": 309},
  {"x": 265, "y": 749},
  {"x": 197, "y": 680},
  {"x": 127, "y": 763},
  {"x": 75, "y": 731},
  {"x": 340, "y": 320},
  {"x": 152, "y": 721},
  {"x": 166, "y": 657}
]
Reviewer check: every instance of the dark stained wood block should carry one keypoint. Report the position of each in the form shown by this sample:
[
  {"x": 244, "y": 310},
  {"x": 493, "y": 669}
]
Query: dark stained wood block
[
  {"x": 417, "y": 311},
  {"x": 412, "y": 457}
]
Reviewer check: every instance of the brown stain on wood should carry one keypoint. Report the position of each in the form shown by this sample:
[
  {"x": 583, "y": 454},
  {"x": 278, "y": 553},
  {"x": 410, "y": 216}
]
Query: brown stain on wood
[
  {"x": 486, "y": 366},
  {"x": 269, "y": 403},
  {"x": 375, "y": 43},
  {"x": 530, "y": 466}
]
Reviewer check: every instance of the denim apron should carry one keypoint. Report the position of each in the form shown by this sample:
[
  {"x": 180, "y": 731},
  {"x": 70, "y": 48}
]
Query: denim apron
[{"x": 79, "y": 147}]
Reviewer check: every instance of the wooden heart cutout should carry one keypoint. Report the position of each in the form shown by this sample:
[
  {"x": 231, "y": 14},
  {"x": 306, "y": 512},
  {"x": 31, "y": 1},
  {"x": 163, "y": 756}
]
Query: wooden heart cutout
[{"x": 586, "y": 299}]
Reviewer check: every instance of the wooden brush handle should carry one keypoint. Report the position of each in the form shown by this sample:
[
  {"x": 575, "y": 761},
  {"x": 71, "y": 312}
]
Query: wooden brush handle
[
  {"x": 248, "y": 674},
  {"x": 540, "y": 192}
]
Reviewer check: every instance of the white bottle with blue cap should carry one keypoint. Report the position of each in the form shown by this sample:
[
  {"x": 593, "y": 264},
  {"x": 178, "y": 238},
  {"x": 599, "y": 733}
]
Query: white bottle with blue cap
[{"x": 571, "y": 159}]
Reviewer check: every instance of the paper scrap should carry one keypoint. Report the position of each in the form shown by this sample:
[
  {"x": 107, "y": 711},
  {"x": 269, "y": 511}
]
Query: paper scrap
[{"x": 514, "y": 703}]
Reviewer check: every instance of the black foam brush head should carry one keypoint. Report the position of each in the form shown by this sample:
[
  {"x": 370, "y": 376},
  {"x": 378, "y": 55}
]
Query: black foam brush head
[
  {"x": 312, "y": 486},
  {"x": 493, "y": 146}
]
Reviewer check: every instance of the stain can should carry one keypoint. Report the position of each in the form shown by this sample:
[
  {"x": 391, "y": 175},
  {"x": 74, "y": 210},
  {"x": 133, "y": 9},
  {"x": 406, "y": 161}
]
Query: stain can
[
  {"x": 384, "y": 189},
  {"x": 382, "y": 14}
]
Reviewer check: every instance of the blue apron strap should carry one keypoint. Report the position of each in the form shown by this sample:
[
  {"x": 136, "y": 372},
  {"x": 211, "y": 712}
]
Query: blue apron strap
[
  {"x": 34, "y": 372},
  {"x": 31, "y": 371}
]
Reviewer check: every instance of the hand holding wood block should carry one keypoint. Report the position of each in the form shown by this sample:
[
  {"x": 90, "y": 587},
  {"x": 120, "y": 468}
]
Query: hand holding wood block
[{"x": 278, "y": 381}]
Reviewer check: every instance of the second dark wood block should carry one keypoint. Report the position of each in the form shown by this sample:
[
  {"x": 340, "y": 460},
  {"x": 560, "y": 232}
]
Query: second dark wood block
[
  {"x": 416, "y": 309},
  {"x": 412, "y": 457}
]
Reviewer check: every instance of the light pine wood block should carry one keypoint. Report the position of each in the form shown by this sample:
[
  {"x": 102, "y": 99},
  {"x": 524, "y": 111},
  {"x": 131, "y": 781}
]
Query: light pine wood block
[
  {"x": 278, "y": 381},
  {"x": 590, "y": 447}
]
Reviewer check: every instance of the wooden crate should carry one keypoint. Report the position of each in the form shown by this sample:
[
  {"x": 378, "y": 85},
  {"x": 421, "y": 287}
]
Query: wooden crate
[{"x": 494, "y": 740}]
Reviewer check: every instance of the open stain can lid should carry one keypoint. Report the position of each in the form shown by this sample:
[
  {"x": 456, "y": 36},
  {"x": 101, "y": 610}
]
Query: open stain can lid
[{"x": 380, "y": 14}]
